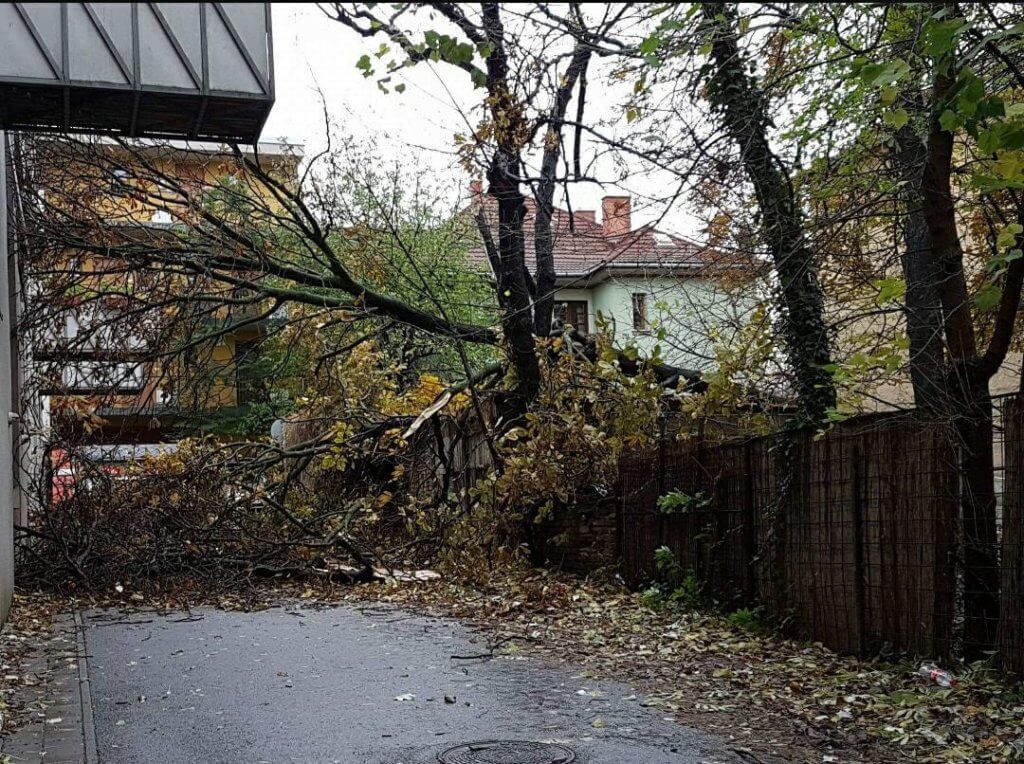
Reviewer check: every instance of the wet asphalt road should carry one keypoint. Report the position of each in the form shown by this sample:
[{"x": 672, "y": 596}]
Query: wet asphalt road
[{"x": 351, "y": 686}]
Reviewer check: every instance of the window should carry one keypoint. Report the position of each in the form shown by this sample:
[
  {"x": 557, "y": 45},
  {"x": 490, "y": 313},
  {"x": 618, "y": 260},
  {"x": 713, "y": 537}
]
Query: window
[
  {"x": 572, "y": 313},
  {"x": 250, "y": 374},
  {"x": 103, "y": 376},
  {"x": 640, "y": 313}
]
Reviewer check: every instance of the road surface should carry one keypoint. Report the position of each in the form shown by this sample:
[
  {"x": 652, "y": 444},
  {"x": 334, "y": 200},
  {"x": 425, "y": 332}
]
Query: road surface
[{"x": 356, "y": 686}]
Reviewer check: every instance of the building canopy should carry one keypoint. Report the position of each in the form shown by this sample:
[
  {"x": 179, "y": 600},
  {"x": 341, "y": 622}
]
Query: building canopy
[{"x": 162, "y": 70}]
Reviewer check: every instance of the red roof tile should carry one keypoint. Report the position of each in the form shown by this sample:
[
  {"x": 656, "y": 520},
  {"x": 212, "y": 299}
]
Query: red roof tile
[{"x": 582, "y": 249}]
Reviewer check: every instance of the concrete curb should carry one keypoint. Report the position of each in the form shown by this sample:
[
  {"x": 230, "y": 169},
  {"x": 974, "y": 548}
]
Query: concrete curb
[{"x": 85, "y": 693}]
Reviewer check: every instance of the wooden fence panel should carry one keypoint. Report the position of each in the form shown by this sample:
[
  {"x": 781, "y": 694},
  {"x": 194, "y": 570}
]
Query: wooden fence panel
[
  {"x": 728, "y": 485},
  {"x": 865, "y": 546},
  {"x": 909, "y": 497},
  {"x": 1011, "y": 621},
  {"x": 819, "y": 556},
  {"x": 640, "y": 530},
  {"x": 686, "y": 533}
]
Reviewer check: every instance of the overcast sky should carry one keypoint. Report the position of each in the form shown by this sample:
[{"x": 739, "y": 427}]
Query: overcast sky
[{"x": 315, "y": 55}]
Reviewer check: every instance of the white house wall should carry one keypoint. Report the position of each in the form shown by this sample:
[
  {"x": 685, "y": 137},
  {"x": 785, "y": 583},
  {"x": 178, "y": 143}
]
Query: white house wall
[{"x": 686, "y": 308}]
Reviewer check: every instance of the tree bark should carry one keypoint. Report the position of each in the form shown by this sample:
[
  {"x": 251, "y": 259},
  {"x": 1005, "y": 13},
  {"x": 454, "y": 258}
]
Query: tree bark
[
  {"x": 922, "y": 308},
  {"x": 544, "y": 300},
  {"x": 504, "y": 184},
  {"x": 742, "y": 103}
]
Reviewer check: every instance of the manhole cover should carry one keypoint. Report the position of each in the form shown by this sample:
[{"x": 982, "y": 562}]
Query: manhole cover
[{"x": 507, "y": 752}]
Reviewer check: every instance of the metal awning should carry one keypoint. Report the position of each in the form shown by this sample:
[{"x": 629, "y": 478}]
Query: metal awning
[{"x": 166, "y": 70}]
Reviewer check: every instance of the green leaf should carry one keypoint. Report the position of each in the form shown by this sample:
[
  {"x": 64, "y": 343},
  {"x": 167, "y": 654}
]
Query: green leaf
[
  {"x": 479, "y": 78},
  {"x": 896, "y": 118},
  {"x": 889, "y": 290},
  {"x": 888, "y": 95},
  {"x": 991, "y": 106},
  {"x": 632, "y": 114},
  {"x": 1009, "y": 168},
  {"x": 835, "y": 415},
  {"x": 365, "y": 65},
  {"x": 1008, "y": 235},
  {"x": 879, "y": 75},
  {"x": 990, "y": 140},
  {"x": 970, "y": 91},
  {"x": 941, "y": 37},
  {"x": 1001, "y": 135},
  {"x": 650, "y": 44},
  {"x": 997, "y": 264},
  {"x": 987, "y": 297},
  {"x": 949, "y": 121},
  {"x": 400, "y": 87}
]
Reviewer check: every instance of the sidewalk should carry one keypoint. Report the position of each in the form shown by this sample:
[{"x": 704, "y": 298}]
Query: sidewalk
[{"x": 61, "y": 730}]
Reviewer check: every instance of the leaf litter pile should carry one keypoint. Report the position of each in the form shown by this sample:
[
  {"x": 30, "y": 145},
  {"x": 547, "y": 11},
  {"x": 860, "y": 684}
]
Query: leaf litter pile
[
  {"x": 27, "y": 633},
  {"x": 771, "y": 697}
]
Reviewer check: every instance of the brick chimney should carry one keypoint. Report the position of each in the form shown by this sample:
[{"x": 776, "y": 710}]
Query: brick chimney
[{"x": 615, "y": 212}]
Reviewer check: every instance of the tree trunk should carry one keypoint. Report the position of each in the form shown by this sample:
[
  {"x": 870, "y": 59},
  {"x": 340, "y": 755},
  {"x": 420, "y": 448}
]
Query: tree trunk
[
  {"x": 969, "y": 406},
  {"x": 504, "y": 185},
  {"x": 801, "y": 305},
  {"x": 922, "y": 308},
  {"x": 544, "y": 302},
  {"x": 513, "y": 292},
  {"x": 973, "y": 425}
]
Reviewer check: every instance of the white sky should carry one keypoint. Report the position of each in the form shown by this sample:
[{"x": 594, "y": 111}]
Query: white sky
[{"x": 314, "y": 54}]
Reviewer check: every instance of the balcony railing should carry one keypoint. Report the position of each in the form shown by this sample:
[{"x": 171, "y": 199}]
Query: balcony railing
[{"x": 102, "y": 377}]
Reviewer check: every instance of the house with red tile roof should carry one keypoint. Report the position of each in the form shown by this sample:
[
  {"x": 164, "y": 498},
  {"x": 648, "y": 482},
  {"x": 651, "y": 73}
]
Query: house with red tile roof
[{"x": 645, "y": 287}]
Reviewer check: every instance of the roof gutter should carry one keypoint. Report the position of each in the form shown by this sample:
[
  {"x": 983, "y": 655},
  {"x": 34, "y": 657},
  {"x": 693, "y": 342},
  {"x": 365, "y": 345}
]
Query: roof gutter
[{"x": 605, "y": 271}]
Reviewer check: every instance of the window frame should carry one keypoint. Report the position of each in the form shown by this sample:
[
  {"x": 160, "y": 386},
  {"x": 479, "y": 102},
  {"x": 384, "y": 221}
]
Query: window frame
[
  {"x": 560, "y": 310},
  {"x": 641, "y": 321}
]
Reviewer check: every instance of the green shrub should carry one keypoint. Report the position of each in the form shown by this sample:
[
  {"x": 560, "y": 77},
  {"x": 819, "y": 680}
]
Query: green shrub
[
  {"x": 653, "y": 597},
  {"x": 747, "y": 619},
  {"x": 678, "y": 586},
  {"x": 679, "y": 502},
  {"x": 689, "y": 593}
]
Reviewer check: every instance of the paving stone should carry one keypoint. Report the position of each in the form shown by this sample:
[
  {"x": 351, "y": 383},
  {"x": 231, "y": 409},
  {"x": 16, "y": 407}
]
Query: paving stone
[{"x": 57, "y": 695}]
